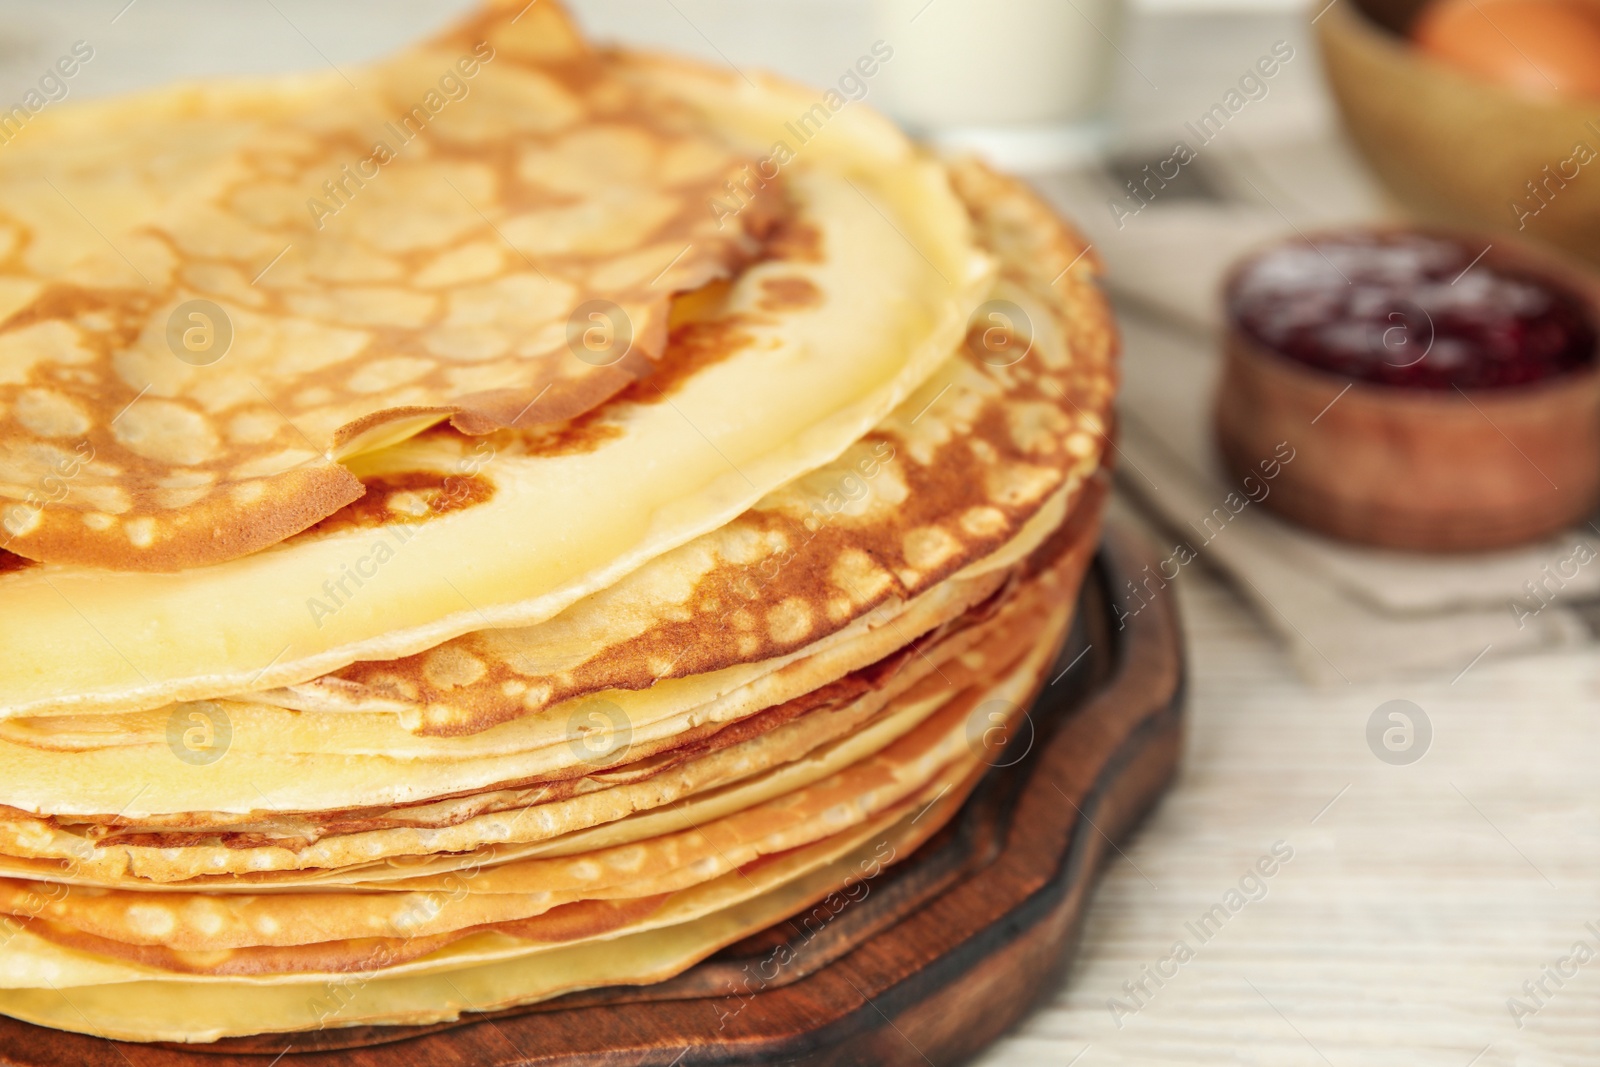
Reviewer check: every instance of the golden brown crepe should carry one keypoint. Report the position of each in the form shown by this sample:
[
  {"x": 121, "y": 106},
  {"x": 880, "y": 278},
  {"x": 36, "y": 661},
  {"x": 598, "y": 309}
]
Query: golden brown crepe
[
  {"x": 225, "y": 291},
  {"x": 510, "y": 528}
]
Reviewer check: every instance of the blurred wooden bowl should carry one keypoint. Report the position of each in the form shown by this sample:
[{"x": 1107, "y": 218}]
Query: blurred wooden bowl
[
  {"x": 1452, "y": 148},
  {"x": 1411, "y": 468}
]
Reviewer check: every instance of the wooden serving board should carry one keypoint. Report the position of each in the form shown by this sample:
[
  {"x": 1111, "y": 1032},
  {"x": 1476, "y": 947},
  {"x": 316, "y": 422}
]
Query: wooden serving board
[{"x": 939, "y": 956}]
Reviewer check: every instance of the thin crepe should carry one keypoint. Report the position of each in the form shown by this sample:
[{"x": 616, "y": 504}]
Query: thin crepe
[
  {"x": 519, "y": 525},
  {"x": 216, "y": 294}
]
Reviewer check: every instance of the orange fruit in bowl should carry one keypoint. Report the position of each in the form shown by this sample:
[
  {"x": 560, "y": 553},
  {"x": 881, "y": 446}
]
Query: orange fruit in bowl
[{"x": 1543, "y": 47}]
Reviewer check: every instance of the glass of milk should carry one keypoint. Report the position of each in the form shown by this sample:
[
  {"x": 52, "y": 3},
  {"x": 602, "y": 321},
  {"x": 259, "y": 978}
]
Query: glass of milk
[{"x": 1022, "y": 82}]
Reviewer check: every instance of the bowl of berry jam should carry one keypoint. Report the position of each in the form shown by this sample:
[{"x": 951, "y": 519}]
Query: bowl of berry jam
[{"x": 1439, "y": 390}]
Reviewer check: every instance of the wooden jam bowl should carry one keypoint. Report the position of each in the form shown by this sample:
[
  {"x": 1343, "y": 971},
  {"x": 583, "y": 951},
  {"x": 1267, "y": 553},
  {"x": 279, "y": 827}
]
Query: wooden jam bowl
[{"x": 1429, "y": 470}]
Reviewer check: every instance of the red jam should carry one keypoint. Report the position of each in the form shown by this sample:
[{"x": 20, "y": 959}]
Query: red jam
[{"x": 1411, "y": 309}]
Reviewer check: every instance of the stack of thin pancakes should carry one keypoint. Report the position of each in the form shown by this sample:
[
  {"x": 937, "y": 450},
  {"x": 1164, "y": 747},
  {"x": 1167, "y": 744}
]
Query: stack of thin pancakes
[{"x": 515, "y": 521}]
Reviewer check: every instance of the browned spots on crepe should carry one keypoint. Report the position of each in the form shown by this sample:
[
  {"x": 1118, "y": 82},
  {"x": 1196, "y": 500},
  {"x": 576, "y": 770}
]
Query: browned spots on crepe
[
  {"x": 575, "y": 921},
  {"x": 692, "y": 348},
  {"x": 788, "y": 294},
  {"x": 583, "y": 434},
  {"x": 10, "y": 561},
  {"x": 795, "y": 240},
  {"x": 360, "y": 287},
  {"x": 411, "y": 497}
]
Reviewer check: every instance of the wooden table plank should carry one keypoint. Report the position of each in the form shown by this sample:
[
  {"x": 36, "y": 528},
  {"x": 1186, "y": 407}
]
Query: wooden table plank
[{"x": 1414, "y": 907}]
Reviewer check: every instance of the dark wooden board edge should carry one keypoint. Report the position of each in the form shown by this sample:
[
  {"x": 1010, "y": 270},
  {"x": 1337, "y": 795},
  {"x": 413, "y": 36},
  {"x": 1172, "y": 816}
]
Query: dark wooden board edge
[{"x": 948, "y": 950}]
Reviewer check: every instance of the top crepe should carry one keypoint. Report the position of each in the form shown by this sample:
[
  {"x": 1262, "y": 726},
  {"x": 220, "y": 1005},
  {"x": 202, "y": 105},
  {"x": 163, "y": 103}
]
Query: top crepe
[
  {"x": 210, "y": 296},
  {"x": 878, "y": 275}
]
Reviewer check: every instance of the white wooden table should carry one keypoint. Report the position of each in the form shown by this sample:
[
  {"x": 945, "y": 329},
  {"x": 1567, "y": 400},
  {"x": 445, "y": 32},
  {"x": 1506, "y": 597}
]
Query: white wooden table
[{"x": 1419, "y": 898}]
